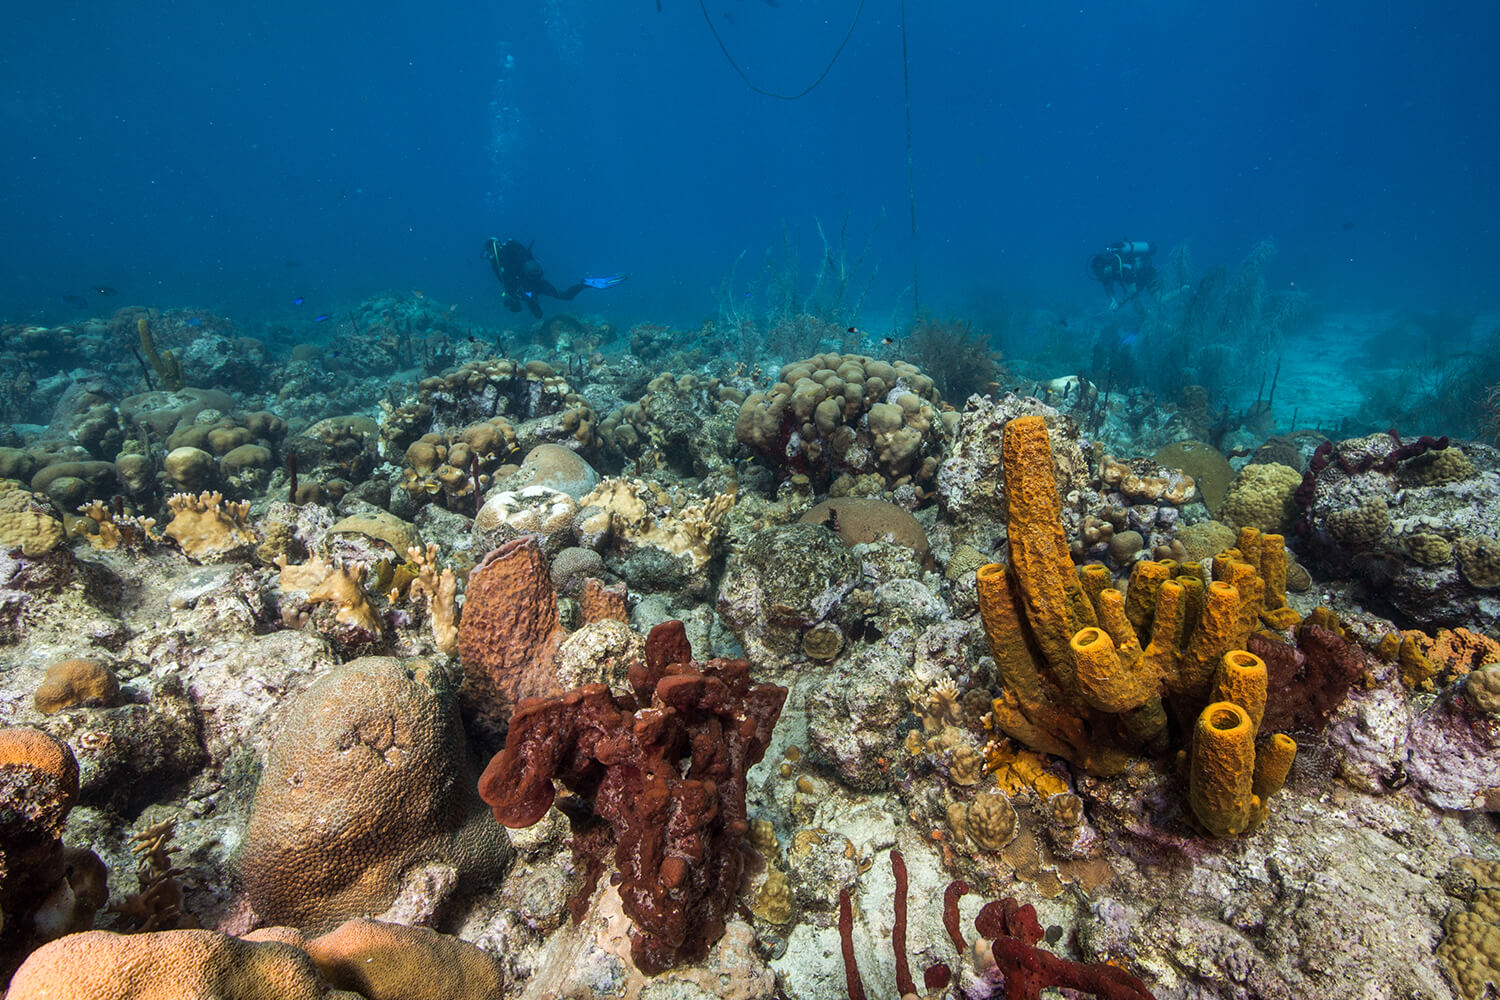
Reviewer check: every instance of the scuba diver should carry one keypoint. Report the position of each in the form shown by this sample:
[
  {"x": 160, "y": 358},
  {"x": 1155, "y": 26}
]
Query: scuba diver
[
  {"x": 521, "y": 276},
  {"x": 1127, "y": 264}
]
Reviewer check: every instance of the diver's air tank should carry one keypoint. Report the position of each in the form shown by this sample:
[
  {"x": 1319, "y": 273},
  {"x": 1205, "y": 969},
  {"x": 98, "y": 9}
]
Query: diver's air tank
[{"x": 1132, "y": 248}]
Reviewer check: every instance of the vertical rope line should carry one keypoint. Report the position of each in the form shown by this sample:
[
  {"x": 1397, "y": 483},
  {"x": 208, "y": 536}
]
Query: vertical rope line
[{"x": 911, "y": 185}]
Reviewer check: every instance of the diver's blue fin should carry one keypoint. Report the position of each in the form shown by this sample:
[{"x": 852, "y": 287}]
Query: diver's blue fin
[{"x": 605, "y": 281}]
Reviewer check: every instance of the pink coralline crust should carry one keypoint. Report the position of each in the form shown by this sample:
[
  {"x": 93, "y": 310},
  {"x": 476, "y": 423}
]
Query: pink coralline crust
[
  {"x": 1453, "y": 753},
  {"x": 509, "y": 631},
  {"x": 666, "y": 769}
]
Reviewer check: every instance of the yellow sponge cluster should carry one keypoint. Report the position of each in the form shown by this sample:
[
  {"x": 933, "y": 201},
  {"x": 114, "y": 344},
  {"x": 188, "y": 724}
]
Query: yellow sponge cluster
[{"x": 1088, "y": 671}]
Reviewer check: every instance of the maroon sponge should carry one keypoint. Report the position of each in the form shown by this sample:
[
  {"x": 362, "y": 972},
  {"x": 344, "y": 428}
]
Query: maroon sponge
[{"x": 666, "y": 769}]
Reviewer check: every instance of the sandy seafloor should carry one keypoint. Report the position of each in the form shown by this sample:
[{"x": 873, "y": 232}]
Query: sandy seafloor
[{"x": 1374, "y": 875}]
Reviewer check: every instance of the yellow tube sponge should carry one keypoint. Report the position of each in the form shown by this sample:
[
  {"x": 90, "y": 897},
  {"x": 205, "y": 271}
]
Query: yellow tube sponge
[
  {"x": 1018, "y": 668},
  {"x": 1244, "y": 577},
  {"x": 1272, "y": 764},
  {"x": 1108, "y": 681},
  {"x": 1273, "y": 570},
  {"x": 1162, "y": 653},
  {"x": 1241, "y": 678},
  {"x": 1110, "y": 607},
  {"x": 1046, "y": 581},
  {"x": 1095, "y": 578},
  {"x": 1101, "y": 677},
  {"x": 1249, "y": 544},
  {"x": 1222, "y": 768},
  {"x": 1029, "y": 706},
  {"x": 1146, "y": 578},
  {"x": 1219, "y": 628}
]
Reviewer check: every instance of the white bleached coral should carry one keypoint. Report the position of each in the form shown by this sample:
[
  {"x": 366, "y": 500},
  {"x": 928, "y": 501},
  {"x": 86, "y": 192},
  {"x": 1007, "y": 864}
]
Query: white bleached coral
[{"x": 634, "y": 513}]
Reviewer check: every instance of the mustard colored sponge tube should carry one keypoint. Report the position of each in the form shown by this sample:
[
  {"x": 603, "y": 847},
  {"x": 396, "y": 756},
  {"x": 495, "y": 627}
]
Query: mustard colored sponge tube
[
  {"x": 1002, "y": 623},
  {"x": 1272, "y": 764},
  {"x": 1278, "y": 613},
  {"x": 1146, "y": 578},
  {"x": 1242, "y": 679},
  {"x": 1045, "y": 578},
  {"x": 1219, "y": 629},
  {"x": 1102, "y": 679},
  {"x": 1221, "y": 770},
  {"x": 1111, "y": 611},
  {"x": 1095, "y": 578}
]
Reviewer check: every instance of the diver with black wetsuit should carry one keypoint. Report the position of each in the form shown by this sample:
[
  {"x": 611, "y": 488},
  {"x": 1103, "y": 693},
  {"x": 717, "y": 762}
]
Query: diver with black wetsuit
[{"x": 522, "y": 280}]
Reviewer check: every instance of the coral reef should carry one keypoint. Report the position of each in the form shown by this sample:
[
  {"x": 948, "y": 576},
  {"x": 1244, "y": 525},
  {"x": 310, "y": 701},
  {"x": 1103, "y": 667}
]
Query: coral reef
[
  {"x": 267, "y": 592},
  {"x": 532, "y": 398},
  {"x": 682, "y": 423}
]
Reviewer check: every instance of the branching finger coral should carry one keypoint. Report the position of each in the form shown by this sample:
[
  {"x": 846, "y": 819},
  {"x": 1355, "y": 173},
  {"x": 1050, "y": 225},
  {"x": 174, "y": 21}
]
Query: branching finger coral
[{"x": 440, "y": 588}]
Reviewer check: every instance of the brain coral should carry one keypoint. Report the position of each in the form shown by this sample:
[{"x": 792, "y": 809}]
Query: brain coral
[
  {"x": 1480, "y": 559},
  {"x": 1261, "y": 497},
  {"x": 377, "y": 961},
  {"x": 168, "y": 965},
  {"x": 1210, "y": 470},
  {"x": 367, "y": 780}
]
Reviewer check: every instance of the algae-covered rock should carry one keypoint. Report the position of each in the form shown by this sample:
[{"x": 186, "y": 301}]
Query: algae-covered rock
[
  {"x": 785, "y": 581},
  {"x": 1210, "y": 470},
  {"x": 1424, "y": 541}
]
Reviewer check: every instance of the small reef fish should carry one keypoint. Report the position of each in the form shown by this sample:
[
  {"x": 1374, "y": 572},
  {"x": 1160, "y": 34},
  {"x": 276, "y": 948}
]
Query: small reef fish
[
  {"x": 297, "y": 301},
  {"x": 1128, "y": 339},
  {"x": 104, "y": 290},
  {"x": 195, "y": 321},
  {"x": 418, "y": 293},
  {"x": 321, "y": 317}
]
